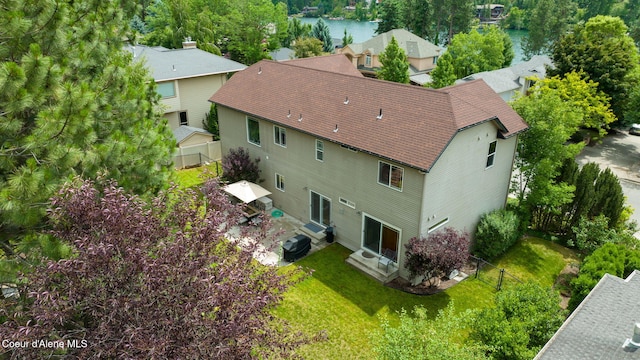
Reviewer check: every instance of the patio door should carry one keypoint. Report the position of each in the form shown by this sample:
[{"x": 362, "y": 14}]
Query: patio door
[
  {"x": 379, "y": 237},
  {"x": 320, "y": 209}
]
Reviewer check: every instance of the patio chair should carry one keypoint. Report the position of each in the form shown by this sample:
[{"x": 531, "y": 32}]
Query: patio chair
[{"x": 387, "y": 258}]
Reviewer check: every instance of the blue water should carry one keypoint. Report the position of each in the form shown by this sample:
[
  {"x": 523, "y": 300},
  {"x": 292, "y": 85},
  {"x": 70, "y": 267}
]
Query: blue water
[{"x": 365, "y": 30}]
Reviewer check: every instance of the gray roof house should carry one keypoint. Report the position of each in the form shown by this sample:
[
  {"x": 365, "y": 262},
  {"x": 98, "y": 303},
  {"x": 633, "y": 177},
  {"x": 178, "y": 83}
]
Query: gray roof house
[
  {"x": 509, "y": 81},
  {"x": 422, "y": 54},
  {"x": 378, "y": 162},
  {"x": 602, "y": 326},
  {"x": 183, "y": 76}
]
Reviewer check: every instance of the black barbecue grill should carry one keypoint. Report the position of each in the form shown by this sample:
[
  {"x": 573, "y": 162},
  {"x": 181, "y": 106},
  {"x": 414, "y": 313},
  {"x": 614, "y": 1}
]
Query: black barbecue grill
[{"x": 296, "y": 247}]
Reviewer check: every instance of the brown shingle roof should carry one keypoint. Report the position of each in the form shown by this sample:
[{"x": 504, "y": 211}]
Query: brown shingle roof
[
  {"x": 416, "y": 125},
  {"x": 336, "y": 63}
]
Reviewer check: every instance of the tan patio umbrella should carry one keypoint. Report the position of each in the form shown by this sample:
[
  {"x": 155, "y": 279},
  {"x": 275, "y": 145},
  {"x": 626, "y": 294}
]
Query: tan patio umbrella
[{"x": 246, "y": 191}]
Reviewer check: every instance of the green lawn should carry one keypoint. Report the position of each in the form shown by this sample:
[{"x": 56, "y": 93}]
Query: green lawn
[
  {"x": 187, "y": 178},
  {"x": 347, "y": 304}
]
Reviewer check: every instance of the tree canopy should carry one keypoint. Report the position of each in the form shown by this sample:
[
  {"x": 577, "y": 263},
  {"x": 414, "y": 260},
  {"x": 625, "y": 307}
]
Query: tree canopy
[
  {"x": 472, "y": 53},
  {"x": 72, "y": 103},
  {"x": 245, "y": 29},
  {"x": 320, "y": 31},
  {"x": 523, "y": 320},
  {"x": 604, "y": 52},
  {"x": 394, "y": 64},
  {"x": 151, "y": 279}
]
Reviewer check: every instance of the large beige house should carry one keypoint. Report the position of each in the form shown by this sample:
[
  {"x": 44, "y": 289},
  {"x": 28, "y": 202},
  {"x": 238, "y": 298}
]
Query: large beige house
[
  {"x": 380, "y": 162},
  {"x": 422, "y": 54},
  {"x": 185, "y": 79}
]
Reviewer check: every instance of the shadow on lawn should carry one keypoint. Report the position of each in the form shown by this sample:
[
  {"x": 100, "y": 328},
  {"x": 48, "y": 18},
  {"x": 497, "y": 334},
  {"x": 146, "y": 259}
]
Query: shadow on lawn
[{"x": 369, "y": 295}]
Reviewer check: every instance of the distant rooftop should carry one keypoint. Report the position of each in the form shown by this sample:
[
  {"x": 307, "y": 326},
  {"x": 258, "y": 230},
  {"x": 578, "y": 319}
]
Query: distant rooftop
[
  {"x": 507, "y": 79},
  {"x": 413, "y": 45},
  {"x": 170, "y": 64},
  {"x": 601, "y": 324}
]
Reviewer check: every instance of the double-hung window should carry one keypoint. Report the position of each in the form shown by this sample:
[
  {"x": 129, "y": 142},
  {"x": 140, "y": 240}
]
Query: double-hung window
[
  {"x": 280, "y": 135},
  {"x": 279, "y": 182},
  {"x": 390, "y": 175},
  {"x": 319, "y": 150},
  {"x": 492, "y": 153}
]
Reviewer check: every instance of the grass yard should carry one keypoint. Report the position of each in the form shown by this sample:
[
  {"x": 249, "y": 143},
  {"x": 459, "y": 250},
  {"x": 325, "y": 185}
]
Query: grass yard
[
  {"x": 187, "y": 178},
  {"x": 347, "y": 304}
]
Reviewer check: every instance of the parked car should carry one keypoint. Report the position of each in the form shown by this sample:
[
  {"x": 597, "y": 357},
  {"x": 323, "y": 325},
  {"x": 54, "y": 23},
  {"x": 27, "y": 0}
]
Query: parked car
[{"x": 635, "y": 129}]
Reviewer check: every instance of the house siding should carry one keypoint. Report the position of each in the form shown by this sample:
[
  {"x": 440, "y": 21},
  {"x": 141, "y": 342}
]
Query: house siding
[
  {"x": 343, "y": 173},
  {"x": 461, "y": 170},
  {"x": 192, "y": 96}
]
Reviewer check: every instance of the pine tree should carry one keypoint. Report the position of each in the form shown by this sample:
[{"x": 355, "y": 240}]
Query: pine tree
[
  {"x": 321, "y": 32},
  {"x": 395, "y": 66},
  {"x": 71, "y": 103}
]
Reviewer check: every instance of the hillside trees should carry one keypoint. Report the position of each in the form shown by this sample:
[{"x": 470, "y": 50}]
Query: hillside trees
[
  {"x": 246, "y": 29},
  {"x": 392, "y": 15},
  {"x": 547, "y": 21},
  {"x": 394, "y": 64},
  {"x": 603, "y": 51},
  {"x": 71, "y": 103},
  {"x": 150, "y": 279}
]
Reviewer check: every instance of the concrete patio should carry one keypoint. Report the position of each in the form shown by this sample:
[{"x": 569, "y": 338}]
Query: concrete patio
[{"x": 270, "y": 251}]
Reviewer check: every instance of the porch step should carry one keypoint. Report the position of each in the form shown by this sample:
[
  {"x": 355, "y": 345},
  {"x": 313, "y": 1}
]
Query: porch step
[
  {"x": 369, "y": 266},
  {"x": 313, "y": 231}
]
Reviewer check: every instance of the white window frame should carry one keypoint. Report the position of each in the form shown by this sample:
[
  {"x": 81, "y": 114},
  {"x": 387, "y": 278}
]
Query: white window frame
[
  {"x": 347, "y": 202},
  {"x": 320, "y": 150},
  {"x": 323, "y": 199},
  {"x": 186, "y": 118},
  {"x": 391, "y": 168},
  {"x": 368, "y": 60},
  {"x": 438, "y": 225},
  {"x": 491, "y": 156},
  {"x": 280, "y": 182},
  {"x": 382, "y": 224},
  {"x": 280, "y": 136},
  {"x": 249, "y": 131}
]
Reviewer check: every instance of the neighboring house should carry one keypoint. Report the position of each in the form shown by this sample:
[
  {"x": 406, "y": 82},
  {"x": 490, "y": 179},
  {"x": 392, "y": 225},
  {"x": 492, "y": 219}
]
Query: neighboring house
[
  {"x": 422, "y": 55},
  {"x": 602, "y": 325},
  {"x": 183, "y": 77},
  {"x": 513, "y": 80},
  {"x": 380, "y": 162},
  {"x": 490, "y": 13}
]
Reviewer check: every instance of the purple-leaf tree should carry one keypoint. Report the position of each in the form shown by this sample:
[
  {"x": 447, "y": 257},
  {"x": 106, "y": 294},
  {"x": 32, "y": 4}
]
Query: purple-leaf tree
[
  {"x": 237, "y": 165},
  {"x": 439, "y": 254},
  {"x": 149, "y": 279}
]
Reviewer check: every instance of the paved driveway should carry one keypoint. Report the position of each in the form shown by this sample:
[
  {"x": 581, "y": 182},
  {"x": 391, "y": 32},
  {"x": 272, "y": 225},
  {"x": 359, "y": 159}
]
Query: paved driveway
[{"x": 620, "y": 152}]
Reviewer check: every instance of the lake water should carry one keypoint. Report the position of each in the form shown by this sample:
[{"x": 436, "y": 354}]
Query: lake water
[{"x": 365, "y": 30}]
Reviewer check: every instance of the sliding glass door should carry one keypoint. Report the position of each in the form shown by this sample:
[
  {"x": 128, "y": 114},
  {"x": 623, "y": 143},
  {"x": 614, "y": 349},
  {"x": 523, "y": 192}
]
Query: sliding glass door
[
  {"x": 379, "y": 237},
  {"x": 320, "y": 209}
]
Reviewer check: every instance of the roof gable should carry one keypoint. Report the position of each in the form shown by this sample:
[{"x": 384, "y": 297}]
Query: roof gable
[
  {"x": 413, "y": 45},
  {"x": 416, "y": 123}
]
